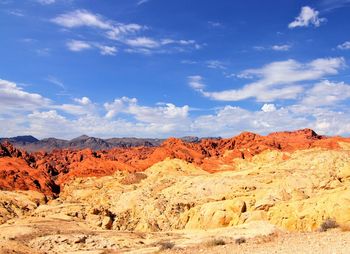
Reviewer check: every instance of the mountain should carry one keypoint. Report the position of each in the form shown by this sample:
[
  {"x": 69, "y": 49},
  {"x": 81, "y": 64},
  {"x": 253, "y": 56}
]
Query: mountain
[
  {"x": 32, "y": 144},
  {"x": 21, "y": 139}
]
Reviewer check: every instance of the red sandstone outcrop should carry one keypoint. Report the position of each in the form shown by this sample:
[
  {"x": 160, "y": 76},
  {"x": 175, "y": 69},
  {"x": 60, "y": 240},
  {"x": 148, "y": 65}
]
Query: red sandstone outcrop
[
  {"x": 44, "y": 171},
  {"x": 16, "y": 172}
]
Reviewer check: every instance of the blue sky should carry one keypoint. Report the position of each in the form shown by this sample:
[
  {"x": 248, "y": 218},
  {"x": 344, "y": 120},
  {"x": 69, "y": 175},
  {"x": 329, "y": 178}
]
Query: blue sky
[{"x": 160, "y": 68}]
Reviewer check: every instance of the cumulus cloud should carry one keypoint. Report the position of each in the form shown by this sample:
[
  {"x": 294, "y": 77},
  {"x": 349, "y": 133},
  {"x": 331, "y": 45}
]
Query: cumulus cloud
[
  {"x": 14, "y": 98},
  {"x": 268, "y": 107},
  {"x": 167, "y": 113},
  {"x": 278, "y": 80},
  {"x": 82, "y": 106},
  {"x": 307, "y": 17},
  {"x": 84, "y": 100},
  {"x": 327, "y": 93},
  {"x": 344, "y": 46},
  {"x": 22, "y": 112}
]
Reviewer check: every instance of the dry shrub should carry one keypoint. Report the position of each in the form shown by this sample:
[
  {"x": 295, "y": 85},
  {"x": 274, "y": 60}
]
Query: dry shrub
[
  {"x": 328, "y": 224},
  {"x": 215, "y": 242},
  {"x": 166, "y": 245},
  {"x": 133, "y": 178},
  {"x": 240, "y": 240}
]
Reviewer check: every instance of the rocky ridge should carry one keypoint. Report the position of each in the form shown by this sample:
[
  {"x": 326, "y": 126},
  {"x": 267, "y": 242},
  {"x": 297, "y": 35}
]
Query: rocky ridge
[
  {"x": 32, "y": 144},
  {"x": 51, "y": 169},
  {"x": 289, "y": 181}
]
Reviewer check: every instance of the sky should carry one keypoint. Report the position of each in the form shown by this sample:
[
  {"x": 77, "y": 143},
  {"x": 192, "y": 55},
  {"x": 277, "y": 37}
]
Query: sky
[{"x": 161, "y": 68}]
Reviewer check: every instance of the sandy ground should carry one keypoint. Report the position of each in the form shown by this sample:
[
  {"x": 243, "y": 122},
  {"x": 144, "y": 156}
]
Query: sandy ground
[
  {"x": 45, "y": 235},
  {"x": 330, "y": 242}
]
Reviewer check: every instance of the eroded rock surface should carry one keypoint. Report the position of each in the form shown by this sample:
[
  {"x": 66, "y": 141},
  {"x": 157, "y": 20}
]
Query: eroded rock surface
[{"x": 292, "y": 180}]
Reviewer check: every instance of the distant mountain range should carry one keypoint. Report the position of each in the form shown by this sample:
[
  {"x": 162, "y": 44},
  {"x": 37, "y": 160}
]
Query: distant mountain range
[{"x": 31, "y": 144}]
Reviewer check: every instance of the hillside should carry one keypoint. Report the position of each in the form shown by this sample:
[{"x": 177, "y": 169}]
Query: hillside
[{"x": 251, "y": 186}]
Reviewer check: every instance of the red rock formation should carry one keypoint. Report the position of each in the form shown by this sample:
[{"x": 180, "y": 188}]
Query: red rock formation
[
  {"x": 16, "y": 173},
  {"x": 41, "y": 171}
]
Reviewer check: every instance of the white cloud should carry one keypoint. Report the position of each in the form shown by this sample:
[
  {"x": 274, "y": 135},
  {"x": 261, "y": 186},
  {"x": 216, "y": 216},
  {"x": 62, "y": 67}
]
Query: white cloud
[
  {"x": 196, "y": 82},
  {"x": 16, "y": 12},
  {"x": 344, "y": 46},
  {"x": 123, "y": 34},
  {"x": 75, "y": 110},
  {"x": 76, "y": 45},
  {"x": 215, "y": 64},
  {"x": 327, "y": 93},
  {"x": 14, "y": 98},
  {"x": 284, "y": 47},
  {"x": 243, "y": 75},
  {"x": 230, "y": 120},
  {"x": 149, "y": 43},
  {"x": 277, "y": 80},
  {"x": 83, "y": 18},
  {"x": 107, "y": 50},
  {"x": 167, "y": 41},
  {"x": 268, "y": 107},
  {"x": 142, "y": 42},
  {"x": 307, "y": 16},
  {"x": 79, "y": 18},
  {"x": 83, "y": 106},
  {"x": 120, "y": 31},
  {"x": 168, "y": 113},
  {"x": 22, "y": 112},
  {"x": 84, "y": 100}
]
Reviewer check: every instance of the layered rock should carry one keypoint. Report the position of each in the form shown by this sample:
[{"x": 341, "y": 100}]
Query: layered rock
[
  {"x": 297, "y": 194},
  {"x": 18, "y": 172},
  {"x": 44, "y": 171},
  {"x": 294, "y": 180}
]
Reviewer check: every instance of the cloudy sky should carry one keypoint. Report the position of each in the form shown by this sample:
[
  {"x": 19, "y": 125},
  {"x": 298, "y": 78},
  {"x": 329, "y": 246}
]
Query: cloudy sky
[{"x": 159, "y": 68}]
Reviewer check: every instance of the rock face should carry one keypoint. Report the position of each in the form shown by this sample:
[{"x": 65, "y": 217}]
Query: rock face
[
  {"x": 296, "y": 194},
  {"x": 47, "y": 171},
  {"x": 294, "y": 180},
  {"x": 17, "y": 173}
]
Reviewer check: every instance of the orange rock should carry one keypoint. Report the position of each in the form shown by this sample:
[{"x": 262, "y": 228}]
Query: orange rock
[{"x": 44, "y": 172}]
